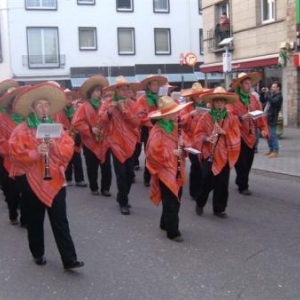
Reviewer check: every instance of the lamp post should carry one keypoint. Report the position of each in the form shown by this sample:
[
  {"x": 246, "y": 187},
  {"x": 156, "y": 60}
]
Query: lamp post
[{"x": 226, "y": 61}]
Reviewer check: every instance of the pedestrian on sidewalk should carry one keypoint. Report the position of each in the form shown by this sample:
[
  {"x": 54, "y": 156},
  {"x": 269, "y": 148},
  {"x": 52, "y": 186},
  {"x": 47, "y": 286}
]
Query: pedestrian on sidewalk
[{"x": 272, "y": 102}]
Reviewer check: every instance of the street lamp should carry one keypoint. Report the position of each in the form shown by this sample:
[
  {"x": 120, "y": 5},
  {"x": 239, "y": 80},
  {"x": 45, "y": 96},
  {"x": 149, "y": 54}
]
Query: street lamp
[{"x": 226, "y": 60}]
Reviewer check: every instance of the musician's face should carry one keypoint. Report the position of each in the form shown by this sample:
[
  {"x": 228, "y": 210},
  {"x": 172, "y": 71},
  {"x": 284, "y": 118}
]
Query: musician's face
[
  {"x": 219, "y": 104},
  {"x": 246, "y": 85},
  {"x": 122, "y": 91},
  {"x": 153, "y": 87},
  {"x": 171, "y": 117},
  {"x": 41, "y": 108},
  {"x": 97, "y": 93}
]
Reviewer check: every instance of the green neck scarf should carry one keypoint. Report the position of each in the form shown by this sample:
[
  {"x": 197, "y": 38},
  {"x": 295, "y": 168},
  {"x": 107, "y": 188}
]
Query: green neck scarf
[
  {"x": 166, "y": 125},
  {"x": 33, "y": 121},
  {"x": 118, "y": 98},
  {"x": 217, "y": 115},
  {"x": 197, "y": 104},
  {"x": 95, "y": 103},
  {"x": 69, "y": 111},
  {"x": 244, "y": 97},
  {"x": 152, "y": 98},
  {"x": 16, "y": 118}
]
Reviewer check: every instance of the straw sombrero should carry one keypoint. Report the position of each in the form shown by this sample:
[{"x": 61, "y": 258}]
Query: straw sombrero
[
  {"x": 121, "y": 81},
  {"x": 255, "y": 77},
  {"x": 6, "y": 84},
  {"x": 161, "y": 80},
  {"x": 166, "y": 106},
  {"x": 220, "y": 93},
  {"x": 93, "y": 81},
  {"x": 11, "y": 94},
  {"x": 55, "y": 95},
  {"x": 196, "y": 89},
  {"x": 75, "y": 95}
]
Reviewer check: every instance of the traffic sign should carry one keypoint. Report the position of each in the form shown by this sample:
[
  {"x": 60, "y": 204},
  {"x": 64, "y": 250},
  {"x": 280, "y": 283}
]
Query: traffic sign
[
  {"x": 227, "y": 62},
  {"x": 191, "y": 59}
]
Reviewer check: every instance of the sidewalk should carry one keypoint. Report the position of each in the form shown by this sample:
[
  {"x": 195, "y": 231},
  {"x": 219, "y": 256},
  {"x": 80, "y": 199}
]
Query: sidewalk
[{"x": 288, "y": 161}]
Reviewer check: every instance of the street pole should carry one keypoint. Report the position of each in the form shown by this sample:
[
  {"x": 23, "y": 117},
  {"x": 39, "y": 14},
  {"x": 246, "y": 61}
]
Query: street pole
[{"x": 228, "y": 69}]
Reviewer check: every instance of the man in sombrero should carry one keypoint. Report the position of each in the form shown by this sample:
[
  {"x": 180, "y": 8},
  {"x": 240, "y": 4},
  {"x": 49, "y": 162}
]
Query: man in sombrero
[
  {"x": 37, "y": 104},
  {"x": 165, "y": 161},
  {"x": 146, "y": 104},
  {"x": 217, "y": 136},
  {"x": 119, "y": 116},
  {"x": 8, "y": 122},
  {"x": 65, "y": 117},
  {"x": 247, "y": 102},
  {"x": 95, "y": 144},
  {"x": 189, "y": 118}
]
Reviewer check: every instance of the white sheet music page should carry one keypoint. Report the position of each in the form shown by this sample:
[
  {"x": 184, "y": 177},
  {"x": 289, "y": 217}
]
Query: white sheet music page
[{"x": 50, "y": 131}]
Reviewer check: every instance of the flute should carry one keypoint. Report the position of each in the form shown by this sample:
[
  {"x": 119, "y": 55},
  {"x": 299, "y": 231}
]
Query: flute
[
  {"x": 216, "y": 136},
  {"x": 178, "y": 174},
  {"x": 47, "y": 175}
]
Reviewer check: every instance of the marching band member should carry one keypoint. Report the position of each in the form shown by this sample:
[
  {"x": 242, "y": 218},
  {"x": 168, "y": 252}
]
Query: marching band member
[
  {"x": 146, "y": 104},
  {"x": 118, "y": 115},
  {"x": 217, "y": 136},
  {"x": 65, "y": 117},
  {"x": 166, "y": 163},
  {"x": 95, "y": 144},
  {"x": 247, "y": 102},
  {"x": 29, "y": 155},
  {"x": 8, "y": 121}
]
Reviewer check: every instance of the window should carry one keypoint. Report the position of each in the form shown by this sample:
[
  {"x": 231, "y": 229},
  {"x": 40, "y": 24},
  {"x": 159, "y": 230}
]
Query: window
[
  {"x": 126, "y": 41},
  {"x": 200, "y": 6},
  {"x": 86, "y": 2},
  {"x": 124, "y": 5},
  {"x": 267, "y": 10},
  {"x": 87, "y": 38},
  {"x": 201, "y": 41},
  {"x": 162, "y": 40},
  {"x": 40, "y": 4},
  {"x": 161, "y": 6},
  {"x": 43, "y": 48}
]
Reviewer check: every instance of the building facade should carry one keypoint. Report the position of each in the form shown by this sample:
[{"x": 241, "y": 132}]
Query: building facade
[
  {"x": 262, "y": 30},
  {"x": 68, "y": 41}
]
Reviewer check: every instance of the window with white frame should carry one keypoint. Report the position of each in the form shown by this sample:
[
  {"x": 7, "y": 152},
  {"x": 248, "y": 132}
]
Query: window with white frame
[
  {"x": 267, "y": 10},
  {"x": 124, "y": 5},
  {"x": 126, "y": 41},
  {"x": 41, "y": 4},
  {"x": 162, "y": 40},
  {"x": 161, "y": 6},
  {"x": 86, "y": 2},
  {"x": 201, "y": 41},
  {"x": 87, "y": 38},
  {"x": 43, "y": 47}
]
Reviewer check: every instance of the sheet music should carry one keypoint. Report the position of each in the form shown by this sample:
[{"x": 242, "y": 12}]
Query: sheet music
[{"x": 50, "y": 131}]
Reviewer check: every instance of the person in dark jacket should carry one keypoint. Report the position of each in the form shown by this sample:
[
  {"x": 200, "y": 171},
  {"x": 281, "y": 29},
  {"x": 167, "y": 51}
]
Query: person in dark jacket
[{"x": 272, "y": 101}]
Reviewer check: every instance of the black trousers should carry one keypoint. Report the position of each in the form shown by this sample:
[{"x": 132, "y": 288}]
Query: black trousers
[
  {"x": 243, "y": 166},
  {"x": 169, "y": 220},
  {"x": 75, "y": 165},
  {"x": 195, "y": 176},
  {"x": 219, "y": 184},
  {"x": 58, "y": 221},
  {"x": 124, "y": 176},
  {"x": 92, "y": 165}
]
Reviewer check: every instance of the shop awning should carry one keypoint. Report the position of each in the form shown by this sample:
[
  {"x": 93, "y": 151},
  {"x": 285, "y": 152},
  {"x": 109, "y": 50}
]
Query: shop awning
[{"x": 250, "y": 63}]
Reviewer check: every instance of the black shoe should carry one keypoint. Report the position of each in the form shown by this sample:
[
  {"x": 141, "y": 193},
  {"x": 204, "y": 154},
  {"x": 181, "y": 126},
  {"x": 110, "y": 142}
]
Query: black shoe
[
  {"x": 95, "y": 193},
  {"x": 199, "y": 210},
  {"x": 105, "y": 193},
  {"x": 81, "y": 184},
  {"x": 14, "y": 221},
  {"x": 221, "y": 215},
  {"x": 73, "y": 265},
  {"x": 177, "y": 239},
  {"x": 245, "y": 192},
  {"x": 40, "y": 260},
  {"x": 125, "y": 210}
]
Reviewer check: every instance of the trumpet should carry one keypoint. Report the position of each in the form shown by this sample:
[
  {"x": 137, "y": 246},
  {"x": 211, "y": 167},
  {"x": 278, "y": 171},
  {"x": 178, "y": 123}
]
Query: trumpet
[{"x": 47, "y": 175}]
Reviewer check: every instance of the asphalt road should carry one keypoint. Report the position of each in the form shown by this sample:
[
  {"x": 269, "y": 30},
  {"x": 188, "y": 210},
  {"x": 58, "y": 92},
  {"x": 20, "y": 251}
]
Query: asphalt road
[{"x": 253, "y": 255}]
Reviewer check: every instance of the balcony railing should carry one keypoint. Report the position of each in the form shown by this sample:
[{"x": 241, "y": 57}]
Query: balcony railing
[
  {"x": 214, "y": 37},
  {"x": 43, "y": 61}
]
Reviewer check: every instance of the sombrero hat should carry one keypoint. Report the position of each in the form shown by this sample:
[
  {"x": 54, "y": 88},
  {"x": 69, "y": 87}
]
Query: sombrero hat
[
  {"x": 196, "y": 89},
  {"x": 55, "y": 95},
  {"x": 220, "y": 93},
  {"x": 171, "y": 87},
  {"x": 75, "y": 95},
  {"x": 255, "y": 77},
  {"x": 93, "y": 81},
  {"x": 161, "y": 80},
  {"x": 6, "y": 84},
  {"x": 11, "y": 94},
  {"x": 121, "y": 81},
  {"x": 166, "y": 106}
]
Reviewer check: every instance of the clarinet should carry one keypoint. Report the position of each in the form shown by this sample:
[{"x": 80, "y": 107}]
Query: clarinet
[
  {"x": 178, "y": 174},
  {"x": 216, "y": 137},
  {"x": 47, "y": 175}
]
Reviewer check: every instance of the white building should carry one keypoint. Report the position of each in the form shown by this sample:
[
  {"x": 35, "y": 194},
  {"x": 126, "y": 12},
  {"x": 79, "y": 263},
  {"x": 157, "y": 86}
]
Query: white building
[{"x": 70, "y": 40}]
